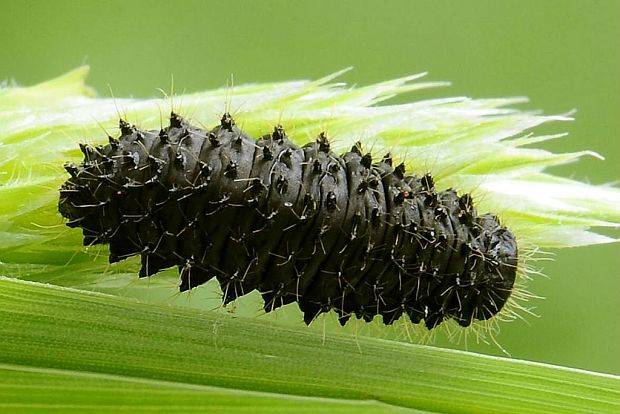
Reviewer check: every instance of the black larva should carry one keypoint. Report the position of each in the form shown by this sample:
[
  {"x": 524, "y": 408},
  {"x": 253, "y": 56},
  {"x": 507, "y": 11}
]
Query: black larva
[{"x": 297, "y": 224}]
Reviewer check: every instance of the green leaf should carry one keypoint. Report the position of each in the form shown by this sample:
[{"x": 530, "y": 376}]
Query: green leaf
[
  {"x": 25, "y": 389},
  {"x": 74, "y": 350},
  {"x": 64, "y": 349}
]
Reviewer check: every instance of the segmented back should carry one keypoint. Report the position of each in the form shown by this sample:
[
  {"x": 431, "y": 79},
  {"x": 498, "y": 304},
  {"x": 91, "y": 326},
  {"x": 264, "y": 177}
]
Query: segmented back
[{"x": 299, "y": 224}]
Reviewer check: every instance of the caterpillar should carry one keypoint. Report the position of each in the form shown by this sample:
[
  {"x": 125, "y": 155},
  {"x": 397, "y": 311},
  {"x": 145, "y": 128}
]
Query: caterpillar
[{"x": 298, "y": 224}]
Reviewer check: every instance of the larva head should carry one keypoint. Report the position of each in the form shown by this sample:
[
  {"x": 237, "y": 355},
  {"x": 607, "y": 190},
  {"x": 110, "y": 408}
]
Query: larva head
[{"x": 488, "y": 281}]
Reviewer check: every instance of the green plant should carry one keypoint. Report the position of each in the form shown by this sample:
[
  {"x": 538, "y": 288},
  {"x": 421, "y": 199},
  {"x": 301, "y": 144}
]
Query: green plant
[{"x": 125, "y": 353}]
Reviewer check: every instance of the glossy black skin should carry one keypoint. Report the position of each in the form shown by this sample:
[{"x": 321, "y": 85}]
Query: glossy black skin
[{"x": 300, "y": 224}]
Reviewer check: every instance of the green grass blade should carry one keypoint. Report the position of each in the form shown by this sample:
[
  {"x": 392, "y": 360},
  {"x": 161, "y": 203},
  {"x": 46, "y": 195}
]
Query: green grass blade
[
  {"x": 48, "y": 331},
  {"x": 38, "y": 390}
]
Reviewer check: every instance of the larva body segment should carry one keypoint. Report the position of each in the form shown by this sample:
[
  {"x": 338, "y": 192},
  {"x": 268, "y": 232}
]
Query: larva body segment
[{"x": 299, "y": 224}]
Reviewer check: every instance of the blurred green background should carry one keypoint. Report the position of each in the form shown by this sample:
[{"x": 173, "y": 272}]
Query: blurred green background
[{"x": 562, "y": 54}]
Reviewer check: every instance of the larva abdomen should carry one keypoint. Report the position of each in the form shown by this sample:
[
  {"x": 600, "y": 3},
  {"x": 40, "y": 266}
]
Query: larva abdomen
[{"x": 299, "y": 224}]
